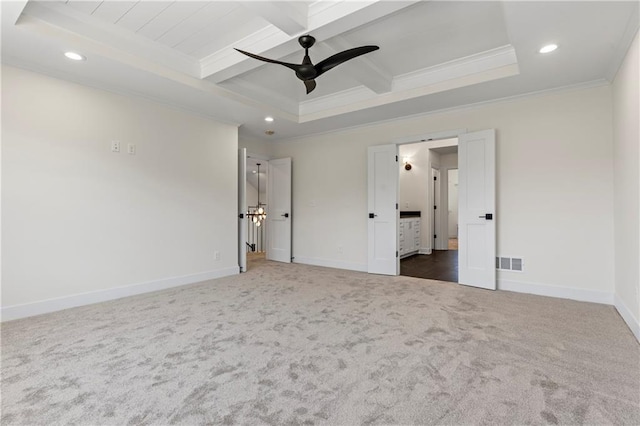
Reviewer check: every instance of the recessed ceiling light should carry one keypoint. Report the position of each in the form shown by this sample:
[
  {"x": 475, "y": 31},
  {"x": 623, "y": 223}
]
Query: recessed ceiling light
[
  {"x": 75, "y": 56},
  {"x": 269, "y": 119},
  {"x": 548, "y": 48}
]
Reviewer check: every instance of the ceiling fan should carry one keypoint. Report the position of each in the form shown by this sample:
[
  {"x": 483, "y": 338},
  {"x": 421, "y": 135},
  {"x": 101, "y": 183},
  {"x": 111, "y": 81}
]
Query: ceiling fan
[{"x": 307, "y": 72}]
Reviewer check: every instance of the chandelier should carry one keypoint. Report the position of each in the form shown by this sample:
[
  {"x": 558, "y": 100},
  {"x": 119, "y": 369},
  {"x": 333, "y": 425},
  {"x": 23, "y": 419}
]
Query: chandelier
[{"x": 258, "y": 213}]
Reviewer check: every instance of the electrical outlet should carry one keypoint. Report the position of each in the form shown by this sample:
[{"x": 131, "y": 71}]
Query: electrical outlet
[
  {"x": 115, "y": 146},
  {"x": 131, "y": 149},
  {"x": 216, "y": 255}
]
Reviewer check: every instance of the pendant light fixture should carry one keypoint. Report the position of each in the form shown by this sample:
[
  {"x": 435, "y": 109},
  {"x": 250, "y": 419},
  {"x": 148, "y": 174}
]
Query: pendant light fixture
[{"x": 258, "y": 213}]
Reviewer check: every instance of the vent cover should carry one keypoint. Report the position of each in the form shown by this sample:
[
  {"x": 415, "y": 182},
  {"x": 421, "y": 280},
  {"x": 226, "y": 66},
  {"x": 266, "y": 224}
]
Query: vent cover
[
  {"x": 515, "y": 264},
  {"x": 505, "y": 263}
]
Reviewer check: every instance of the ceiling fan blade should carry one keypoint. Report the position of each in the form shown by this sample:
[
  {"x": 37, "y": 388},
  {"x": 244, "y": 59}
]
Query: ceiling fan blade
[
  {"x": 335, "y": 60},
  {"x": 310, "y": 85},
  {"x": 273, "y": 61}
]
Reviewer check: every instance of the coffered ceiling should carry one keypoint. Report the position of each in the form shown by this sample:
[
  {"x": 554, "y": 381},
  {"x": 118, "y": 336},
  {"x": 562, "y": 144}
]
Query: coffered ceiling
[{"x": 433, "y": 54}]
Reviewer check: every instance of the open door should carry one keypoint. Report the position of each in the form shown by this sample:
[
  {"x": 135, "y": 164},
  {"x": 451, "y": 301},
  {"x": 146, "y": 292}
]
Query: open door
[
  {"x": 242, "y": 209},
  {"x": 383, "y": 210},
  {"x": 279, "y": 210},
  {"x": 476, "y": 209}
]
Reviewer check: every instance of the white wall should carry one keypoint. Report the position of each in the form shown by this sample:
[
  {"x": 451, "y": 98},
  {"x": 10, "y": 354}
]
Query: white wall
[
  {"x": 83, "y": 224},
  {"x": 257, "y": 147},
  {"x": 554, "y": 211},
  {"x": 414, "y": 187},
  {"x": 626, "y": 138}
]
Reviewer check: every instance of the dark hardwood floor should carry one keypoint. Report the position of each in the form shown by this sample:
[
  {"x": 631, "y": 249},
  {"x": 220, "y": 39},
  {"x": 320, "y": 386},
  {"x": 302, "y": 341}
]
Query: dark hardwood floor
[{"x": 440, "y": 265}]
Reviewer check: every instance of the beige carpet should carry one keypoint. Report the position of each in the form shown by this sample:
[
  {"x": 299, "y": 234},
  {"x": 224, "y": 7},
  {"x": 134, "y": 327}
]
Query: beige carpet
[{"x": 294, "y": 344}]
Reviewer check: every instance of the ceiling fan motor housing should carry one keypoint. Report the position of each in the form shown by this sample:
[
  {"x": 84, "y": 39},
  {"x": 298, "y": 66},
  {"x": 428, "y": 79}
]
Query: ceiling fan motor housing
[{"x": 306, "y": 41}]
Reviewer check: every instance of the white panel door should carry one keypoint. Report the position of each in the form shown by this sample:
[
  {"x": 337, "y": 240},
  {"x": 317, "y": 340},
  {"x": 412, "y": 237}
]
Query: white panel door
[
  {"x": 383, "y": 212},
  {"x": 242, "y": 209},
  {"x": 476, "y": 209},
  {"x": 279, "y": 210}
]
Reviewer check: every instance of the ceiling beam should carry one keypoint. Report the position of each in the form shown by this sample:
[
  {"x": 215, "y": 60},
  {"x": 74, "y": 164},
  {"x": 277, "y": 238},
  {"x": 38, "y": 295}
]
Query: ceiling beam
[
  {"x": 12, "y": 10},
  {"x": 362, "y": 69},
  {"x": 290, "y": 17},
  {"x": 326, "y": 20}
]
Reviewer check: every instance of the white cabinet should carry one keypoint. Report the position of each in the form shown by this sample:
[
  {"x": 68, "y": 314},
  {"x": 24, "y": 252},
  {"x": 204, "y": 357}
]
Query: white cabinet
[{"x": 409, "y": 236}]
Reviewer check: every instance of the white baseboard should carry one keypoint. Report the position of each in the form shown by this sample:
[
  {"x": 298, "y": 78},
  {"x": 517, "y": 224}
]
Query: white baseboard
[
  {"x": 578, "y": 294},
  {"x": 628, "y": 317},
  {"x": 8, "y": 313},
  {"x": 331, "y": 263},
  {"x": 424, "y": 251}
]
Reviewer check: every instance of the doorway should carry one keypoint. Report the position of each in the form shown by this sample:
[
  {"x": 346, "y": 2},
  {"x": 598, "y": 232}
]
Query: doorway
[
  {"x": 257, "y": 207},
  {"x": 425, "y": 191}
]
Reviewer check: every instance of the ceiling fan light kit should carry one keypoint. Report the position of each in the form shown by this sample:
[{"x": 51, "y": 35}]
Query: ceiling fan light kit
[{"x": 307, "y": 71}]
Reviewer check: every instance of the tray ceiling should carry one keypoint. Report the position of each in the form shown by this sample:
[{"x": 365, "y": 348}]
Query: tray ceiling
[{"x": 433, "y": 54}]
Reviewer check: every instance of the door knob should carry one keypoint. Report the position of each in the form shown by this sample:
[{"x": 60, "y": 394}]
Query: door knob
[
  {"x": 487, "y": 216},
  {"x": 372, "y": 215},
  {"x": 285, "y": 215}
]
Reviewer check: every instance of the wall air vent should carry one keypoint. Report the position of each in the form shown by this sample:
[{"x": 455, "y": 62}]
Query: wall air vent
[
  {"x": 505, "y": 263},
  {"x": 515, "y": 264}
]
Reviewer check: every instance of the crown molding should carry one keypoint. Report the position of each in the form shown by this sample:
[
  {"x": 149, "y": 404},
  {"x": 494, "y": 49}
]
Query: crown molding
[
  {"x": 474, "y": 105},
  {"x": 621, "y": 51}
]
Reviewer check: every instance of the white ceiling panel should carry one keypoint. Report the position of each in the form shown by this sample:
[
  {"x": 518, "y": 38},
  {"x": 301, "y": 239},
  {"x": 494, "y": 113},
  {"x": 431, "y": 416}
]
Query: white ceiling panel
[
  {"x": 170, "y": 18},
  {"x": 112, "y": 11},
  {"x": 84, "y": 6},
  {"x": 223, "y": 33},
  {"x": 141, "y": 14},
  {"x": 190, "y": 27}
]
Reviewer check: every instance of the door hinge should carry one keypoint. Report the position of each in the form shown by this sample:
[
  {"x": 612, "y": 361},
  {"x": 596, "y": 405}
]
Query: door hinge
[
  {"x": 435, "y": 178},
  {"x": 435, "y": 236},
  {"x": 396, "y": 158},
  {"x": 396, "y": 206},
  {"x": 396, "y": 253},
  {"x": 435, "y": 207}
]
